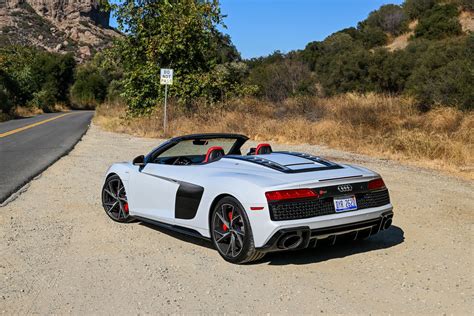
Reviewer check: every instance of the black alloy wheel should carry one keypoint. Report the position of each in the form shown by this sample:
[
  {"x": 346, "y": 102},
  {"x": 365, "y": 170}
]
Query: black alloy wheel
[
  {"x": 231, "y": 232},
  {"x": 114, "y": 200}
]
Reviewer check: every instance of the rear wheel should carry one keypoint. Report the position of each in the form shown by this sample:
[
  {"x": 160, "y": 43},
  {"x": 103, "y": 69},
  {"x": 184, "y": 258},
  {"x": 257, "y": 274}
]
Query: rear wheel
[
  {"x": 114, "y": 200},
  {"x": 231, "y": 232}
]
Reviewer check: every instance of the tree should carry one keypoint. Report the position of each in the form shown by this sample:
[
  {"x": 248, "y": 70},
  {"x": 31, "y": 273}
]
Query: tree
[
  {"x": 390, "y": 18},
  {"x": 178, "y": 34},
  {"x": 36, "y": 77}
]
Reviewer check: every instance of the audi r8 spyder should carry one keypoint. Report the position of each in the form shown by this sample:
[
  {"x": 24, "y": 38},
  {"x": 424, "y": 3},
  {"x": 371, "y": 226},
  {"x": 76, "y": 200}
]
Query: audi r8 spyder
[{"x": 247, "y": 204}]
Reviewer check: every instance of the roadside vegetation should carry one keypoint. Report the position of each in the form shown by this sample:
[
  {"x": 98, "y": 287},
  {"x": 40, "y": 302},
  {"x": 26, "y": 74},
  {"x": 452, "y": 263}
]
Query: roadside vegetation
[
  {"x": 350, "y": 90},
  {"x": 389, "y": 127},
  {"x": 34, "y": 79}
]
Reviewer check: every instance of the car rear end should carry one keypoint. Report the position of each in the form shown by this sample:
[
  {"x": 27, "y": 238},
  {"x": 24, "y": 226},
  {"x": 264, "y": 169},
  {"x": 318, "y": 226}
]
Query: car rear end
[{"x": 347, "y": 208}]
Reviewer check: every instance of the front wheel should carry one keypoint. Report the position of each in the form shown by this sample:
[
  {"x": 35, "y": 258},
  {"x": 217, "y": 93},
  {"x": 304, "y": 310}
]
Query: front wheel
[
  {"x": 114, "y": 200},
  {"x": 231, "y": 232}
]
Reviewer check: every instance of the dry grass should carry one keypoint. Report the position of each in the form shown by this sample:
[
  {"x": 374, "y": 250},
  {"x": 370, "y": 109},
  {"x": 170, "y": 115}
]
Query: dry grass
[
  {"x": 382, "y": 126},
  {"x": 23, "y": 111}
]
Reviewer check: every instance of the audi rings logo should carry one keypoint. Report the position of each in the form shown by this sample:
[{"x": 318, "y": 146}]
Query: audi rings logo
[{"x": 344, "y": 188}]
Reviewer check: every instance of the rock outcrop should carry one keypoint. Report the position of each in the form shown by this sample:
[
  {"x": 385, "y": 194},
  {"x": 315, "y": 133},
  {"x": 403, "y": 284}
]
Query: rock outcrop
[{"x": 78, "y": 26}]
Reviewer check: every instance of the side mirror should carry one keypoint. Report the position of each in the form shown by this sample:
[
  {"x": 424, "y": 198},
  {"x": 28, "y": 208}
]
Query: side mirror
[{"x": 139, "y": 161}]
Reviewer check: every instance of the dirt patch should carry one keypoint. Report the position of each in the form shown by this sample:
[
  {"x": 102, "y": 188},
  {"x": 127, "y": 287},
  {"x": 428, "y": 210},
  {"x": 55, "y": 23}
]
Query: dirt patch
[
  {"x": 466, "y": 18},
  {"x": 401, "y": 41},
  {"x": 61, "y": 254}
]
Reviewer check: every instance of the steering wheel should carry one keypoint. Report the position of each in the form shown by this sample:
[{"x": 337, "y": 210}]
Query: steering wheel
[{"x": 182, "y": 161}]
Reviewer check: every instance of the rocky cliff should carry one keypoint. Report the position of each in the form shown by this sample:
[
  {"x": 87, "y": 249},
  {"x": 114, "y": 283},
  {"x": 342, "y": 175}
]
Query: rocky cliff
[{"x": 78, "y": 26}]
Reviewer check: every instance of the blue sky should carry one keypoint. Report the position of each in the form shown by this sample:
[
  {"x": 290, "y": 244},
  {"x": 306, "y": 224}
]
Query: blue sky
[{"x": 259, "y": 27}]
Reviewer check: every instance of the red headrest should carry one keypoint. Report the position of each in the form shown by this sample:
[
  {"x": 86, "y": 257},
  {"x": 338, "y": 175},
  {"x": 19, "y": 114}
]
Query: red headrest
[
  {"x": 214, "y": 153},
  {"x": 263, "y": 149}
]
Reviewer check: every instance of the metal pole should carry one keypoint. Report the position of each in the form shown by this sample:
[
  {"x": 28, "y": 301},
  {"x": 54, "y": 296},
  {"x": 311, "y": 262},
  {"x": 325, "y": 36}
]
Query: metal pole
[{"x": 164, "y": 116}]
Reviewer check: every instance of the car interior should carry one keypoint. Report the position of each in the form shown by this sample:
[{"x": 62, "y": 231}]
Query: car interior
[{"x": 203, "y": 152}]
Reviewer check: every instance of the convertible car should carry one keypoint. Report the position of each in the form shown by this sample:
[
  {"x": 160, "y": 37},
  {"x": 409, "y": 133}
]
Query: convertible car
[{"x": 247, "y": 204}]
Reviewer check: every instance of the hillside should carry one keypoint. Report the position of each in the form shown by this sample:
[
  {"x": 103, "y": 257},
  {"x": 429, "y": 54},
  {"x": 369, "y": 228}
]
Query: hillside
[
  {"x": 80, "y": 27},
  {"x": 466, "y": 20},
  {"x": 421, "y": 49}
]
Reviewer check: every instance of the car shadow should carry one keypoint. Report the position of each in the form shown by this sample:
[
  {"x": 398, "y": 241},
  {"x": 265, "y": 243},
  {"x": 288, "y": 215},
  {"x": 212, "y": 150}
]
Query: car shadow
[
  {"x": 181, "y": 236},
  {"x": 383, "y": 240}
]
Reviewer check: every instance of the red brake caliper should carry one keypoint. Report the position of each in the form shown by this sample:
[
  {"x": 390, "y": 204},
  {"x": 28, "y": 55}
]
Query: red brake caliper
[
  {"x": 125, "y": 207},
  {"x": 224, "y": 226}
]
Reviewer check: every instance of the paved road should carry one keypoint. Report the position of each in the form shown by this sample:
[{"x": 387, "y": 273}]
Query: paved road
[{"x": 30, "y": 145}]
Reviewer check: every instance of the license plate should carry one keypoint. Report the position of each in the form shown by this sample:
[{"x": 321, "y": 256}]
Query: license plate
[{"x": 345, "y": 204}]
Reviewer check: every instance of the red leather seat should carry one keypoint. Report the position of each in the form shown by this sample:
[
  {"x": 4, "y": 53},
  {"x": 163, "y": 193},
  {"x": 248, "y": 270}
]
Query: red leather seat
[
  {"x": 214, "y": 153},
  {"x": 263, "y": 149}
]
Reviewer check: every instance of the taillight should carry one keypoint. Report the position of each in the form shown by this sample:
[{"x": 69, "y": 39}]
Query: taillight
[
  {"x": 290, "y": 194},
  {"x": 376, "y": 184}
]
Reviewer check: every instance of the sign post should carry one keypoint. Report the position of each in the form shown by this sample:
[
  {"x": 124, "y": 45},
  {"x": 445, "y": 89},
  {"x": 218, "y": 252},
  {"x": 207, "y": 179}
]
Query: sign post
[{"x": 166, "y": 78}]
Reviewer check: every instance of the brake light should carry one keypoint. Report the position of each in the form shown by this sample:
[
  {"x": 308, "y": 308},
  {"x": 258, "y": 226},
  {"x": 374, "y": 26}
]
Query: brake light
[
  {"x": 376, "y": 184},
  {"x": 290, "y": 194}
]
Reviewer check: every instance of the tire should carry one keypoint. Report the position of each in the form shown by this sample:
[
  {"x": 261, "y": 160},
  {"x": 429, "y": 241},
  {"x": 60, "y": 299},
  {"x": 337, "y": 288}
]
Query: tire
[
  {"x": 114, "y": 200},
  {"x": 231, "y": 233}
]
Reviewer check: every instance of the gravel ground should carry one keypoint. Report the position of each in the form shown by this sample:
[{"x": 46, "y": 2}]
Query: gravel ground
[{"x": 61, "y": 254}]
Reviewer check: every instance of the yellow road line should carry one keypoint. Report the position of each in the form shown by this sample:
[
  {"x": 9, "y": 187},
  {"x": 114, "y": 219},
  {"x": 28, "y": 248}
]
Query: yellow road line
[{"x": 31, "y": 125}]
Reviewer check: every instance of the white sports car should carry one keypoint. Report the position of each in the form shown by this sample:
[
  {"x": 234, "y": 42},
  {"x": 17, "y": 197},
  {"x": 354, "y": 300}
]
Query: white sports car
[{"x": 250, "y": 204}]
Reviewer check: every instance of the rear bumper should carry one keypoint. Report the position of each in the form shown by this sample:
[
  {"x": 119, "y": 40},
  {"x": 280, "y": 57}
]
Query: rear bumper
[{"x": 303, "y": 236}]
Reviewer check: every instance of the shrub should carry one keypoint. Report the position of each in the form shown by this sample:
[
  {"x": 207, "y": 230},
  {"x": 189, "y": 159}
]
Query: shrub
[
  {"x": 5, "y": 103},
  {"x": 444, "y": 74},
  {"x": 45, "y": 99},
  {"x": 439, "y": 22},
  {"x": 280, "y": 80},
  {"x": 89, "y": 88},
  {"x": 465, "y": 4},
  {"x": 372, "y": 37},
  {"x": 389, "y": 71},
  {"x": 416, "y": 8}
]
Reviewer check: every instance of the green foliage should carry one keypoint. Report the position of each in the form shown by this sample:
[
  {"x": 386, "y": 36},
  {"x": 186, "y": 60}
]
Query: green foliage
[
  {"x": 439, "y": 22},
  {"x": 178, "y": 34},
  {"x": 372, "y": 37},
  {"x": 467, "y": 4},
  {"x": 34, "y": 77},
  {"x": 444, "y": 74},
  {"x": 225, "y": 50},
  {"x": 416, "y": 8},
  {"x": 435, "y": 68},
  {"x": 279, "y": 80},
  {"x": 98, "y": 80},
  {"x": 89, "y": 88},
  {"x": 5, "y": 95},
  {"x": 389, "y": 18},
  {"x": 56, "y": 72}
]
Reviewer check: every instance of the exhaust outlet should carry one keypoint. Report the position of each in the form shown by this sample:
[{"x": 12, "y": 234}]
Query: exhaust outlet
[
  {"x": 388, "y": 223},
  {"x": 290, "y": 241}
]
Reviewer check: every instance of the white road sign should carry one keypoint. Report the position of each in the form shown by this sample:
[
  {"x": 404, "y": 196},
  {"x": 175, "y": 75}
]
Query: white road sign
[{"x": 166, "y": 76}]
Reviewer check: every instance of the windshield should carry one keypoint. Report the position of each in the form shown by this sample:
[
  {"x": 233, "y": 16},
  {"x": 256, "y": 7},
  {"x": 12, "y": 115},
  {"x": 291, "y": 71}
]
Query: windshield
[
  {"x": 197, "y": 147},
  {"x": 192, "y": 149}
]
